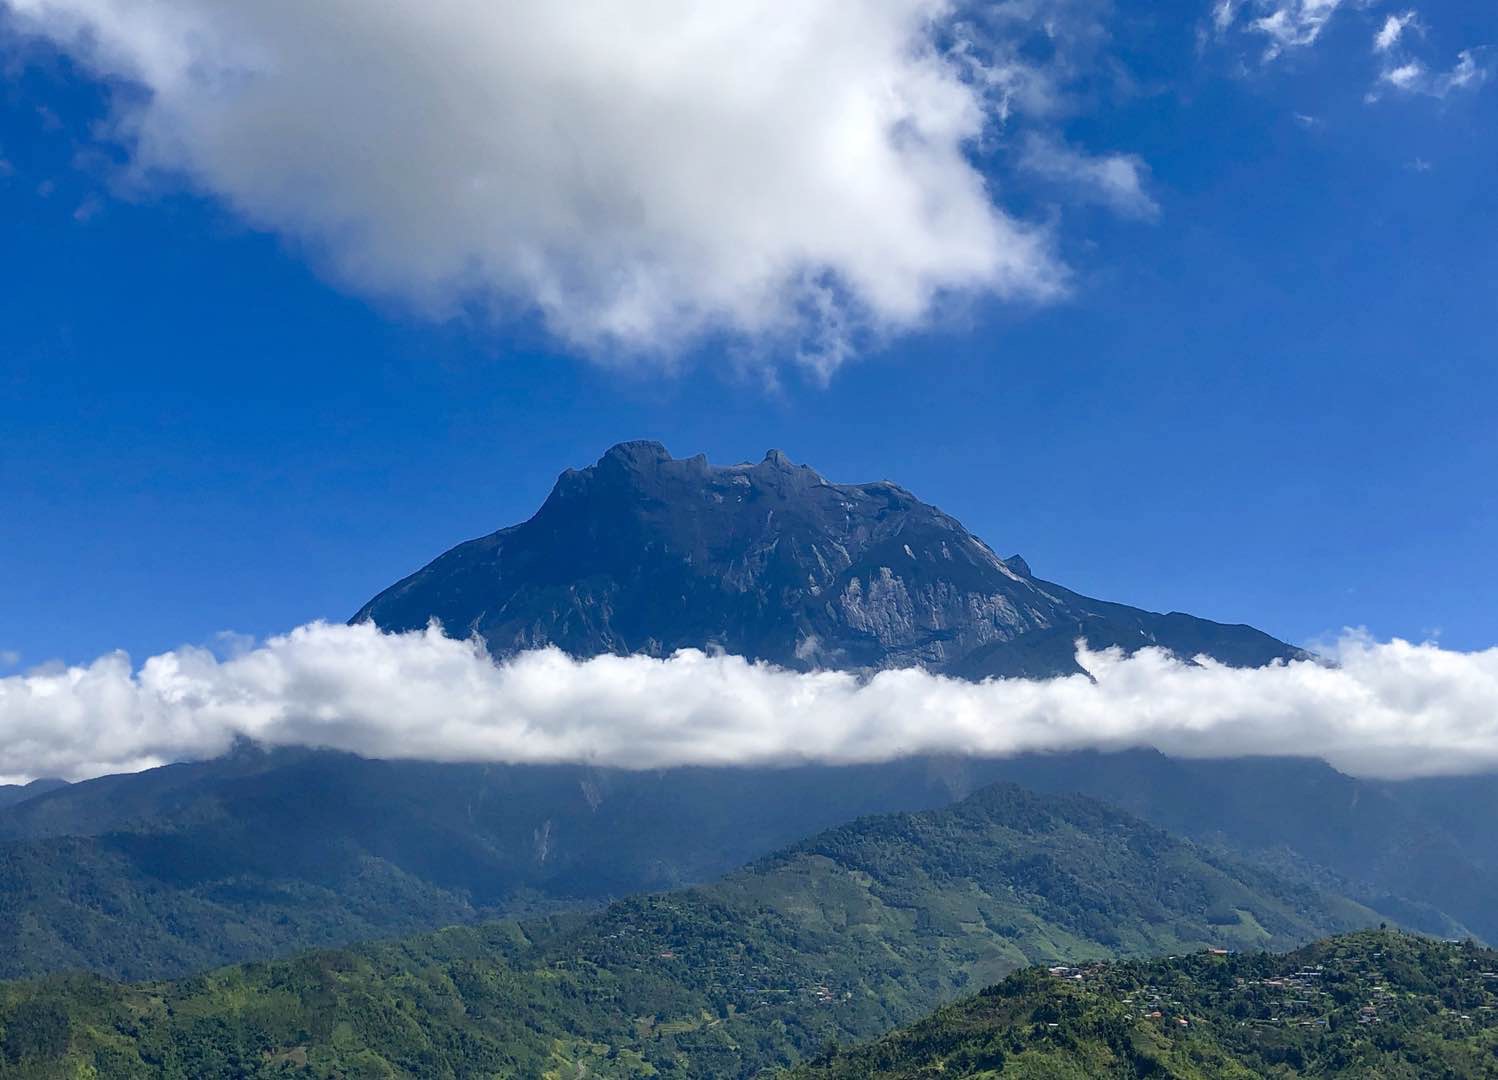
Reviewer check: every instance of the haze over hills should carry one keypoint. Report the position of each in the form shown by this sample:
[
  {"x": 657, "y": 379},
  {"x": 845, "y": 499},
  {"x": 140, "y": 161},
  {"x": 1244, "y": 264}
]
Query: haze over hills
[
  {"x": 837, "y": 937},
  {"x": 259, "y": 853},
  {"x": 646, "y": 553},
  {"x": 12, "y": 794}
]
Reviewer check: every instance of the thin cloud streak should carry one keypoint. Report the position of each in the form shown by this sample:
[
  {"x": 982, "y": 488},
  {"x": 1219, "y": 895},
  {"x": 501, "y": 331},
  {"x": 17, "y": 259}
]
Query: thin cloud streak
[
  {"x": 1392, "y": 709},
  {"x": 1116, "y": 181}
]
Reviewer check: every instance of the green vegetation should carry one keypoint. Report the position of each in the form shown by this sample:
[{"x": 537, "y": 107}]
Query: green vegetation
[
  {"x": 838, "y": 939},
  {"x": 78, "y": 903},
  {"x": 260, "y": 854},
  {"x": 1372, "y": 1004}
]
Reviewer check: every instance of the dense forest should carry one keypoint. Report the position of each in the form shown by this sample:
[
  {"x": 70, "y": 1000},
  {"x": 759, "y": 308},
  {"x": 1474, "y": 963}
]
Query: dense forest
[
  {"x": 837, "y": 939},
  {"x": 260, "y": 854},
  {"x": 1372, "y": 1004}
]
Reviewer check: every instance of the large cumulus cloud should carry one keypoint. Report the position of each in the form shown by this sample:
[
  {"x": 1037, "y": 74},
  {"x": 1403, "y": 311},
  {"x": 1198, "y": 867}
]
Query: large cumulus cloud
[
  {"x": 1381, "y": 709},
  {"x": 640, "y": 174}
]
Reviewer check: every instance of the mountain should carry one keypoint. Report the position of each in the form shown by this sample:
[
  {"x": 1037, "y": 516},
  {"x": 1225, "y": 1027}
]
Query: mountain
[
  {"x": 646, "y": 553},
  {"x": 12, "y": 794},
  {"x": 839, "y": 937},
  {"x": 1365, "y": 1005},
  {"x": 1415, "y": 849},
  {"x": 260, "y": 853}
]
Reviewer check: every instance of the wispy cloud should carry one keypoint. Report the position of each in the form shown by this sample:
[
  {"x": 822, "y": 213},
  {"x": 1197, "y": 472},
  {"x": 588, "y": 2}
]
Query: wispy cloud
[
  {"x": 1382, "y": 709},
  {"x": 1297, "y": 24},
  {"x": 1291, "y": 24},
  {"x": 1393, "y": 29},
  {"x": 1114, "y": 180},
  {"x": 641, "y": 176},
  {"x": 1403, "y": 75}
]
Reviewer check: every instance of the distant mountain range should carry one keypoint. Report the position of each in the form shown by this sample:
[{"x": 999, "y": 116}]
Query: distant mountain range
[
  {"x": 11, "y": 794},
  {"x": 259, "y": 853},
  {"x": 838, "y": 937},
  {"x": 646, "y": 553}
]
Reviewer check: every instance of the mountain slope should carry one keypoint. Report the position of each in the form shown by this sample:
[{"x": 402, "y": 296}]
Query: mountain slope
[
  {"x": 1370, "y": 1005},
  {"x": 260, "y": 853},
  {"x": 841, "y": 936},
  {"x": 14, "y": 794},
  {"x": 1412, "y": 849},
  {"x": 645, "y": 553}
]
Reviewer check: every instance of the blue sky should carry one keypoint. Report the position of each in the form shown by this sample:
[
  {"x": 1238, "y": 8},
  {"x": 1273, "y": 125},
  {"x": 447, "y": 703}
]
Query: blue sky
[{"x": 1266, "y": 395}]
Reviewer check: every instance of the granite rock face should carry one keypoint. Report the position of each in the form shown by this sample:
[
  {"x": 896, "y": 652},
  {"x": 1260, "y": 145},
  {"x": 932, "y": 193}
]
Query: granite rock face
[{"x": 646, "y": 553}]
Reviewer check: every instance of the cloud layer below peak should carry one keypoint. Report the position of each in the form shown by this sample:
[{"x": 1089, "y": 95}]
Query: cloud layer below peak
[
  {"x": 1381, "y": 709},
  {"x": 638, "y": 176}
]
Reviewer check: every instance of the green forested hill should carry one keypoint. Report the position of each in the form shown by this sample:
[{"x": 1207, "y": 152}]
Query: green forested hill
[
  {"x": 259, "y": 854},
  {"x": 1373, "y": 1004},
  {"x": 839, "y": 938}
]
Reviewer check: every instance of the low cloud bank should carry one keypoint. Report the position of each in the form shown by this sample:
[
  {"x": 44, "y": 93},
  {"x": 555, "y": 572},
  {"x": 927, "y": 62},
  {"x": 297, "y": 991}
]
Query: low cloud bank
[{"x": 1392, "y": 709}]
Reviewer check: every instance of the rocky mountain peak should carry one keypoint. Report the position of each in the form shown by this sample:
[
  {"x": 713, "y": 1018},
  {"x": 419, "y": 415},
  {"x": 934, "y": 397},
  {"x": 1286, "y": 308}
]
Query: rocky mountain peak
[
  {"x": 644, "y": 552},
  {"x": 637, "y": 453}
]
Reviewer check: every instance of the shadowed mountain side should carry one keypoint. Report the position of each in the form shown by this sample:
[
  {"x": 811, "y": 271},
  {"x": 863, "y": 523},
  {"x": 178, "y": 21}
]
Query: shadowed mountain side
[
  {"x": 11, "y": 794},
  {"x": 259, "y": 840},
  {"x": 839, "y": 937},
  {"x": 255, "y": 836},
  {"x": 646, "y": 553},
  {"x": 1410, "y": 848}
]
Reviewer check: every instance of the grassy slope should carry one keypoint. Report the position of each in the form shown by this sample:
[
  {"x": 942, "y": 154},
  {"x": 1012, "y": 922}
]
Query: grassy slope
[{"x": 839, "y": 938}]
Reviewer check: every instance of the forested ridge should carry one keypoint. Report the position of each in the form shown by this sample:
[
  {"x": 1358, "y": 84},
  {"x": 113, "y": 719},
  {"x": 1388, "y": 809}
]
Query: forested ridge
[
  {"x": 1373, "y": 1004},
  {"x": 836, "y": 939}
]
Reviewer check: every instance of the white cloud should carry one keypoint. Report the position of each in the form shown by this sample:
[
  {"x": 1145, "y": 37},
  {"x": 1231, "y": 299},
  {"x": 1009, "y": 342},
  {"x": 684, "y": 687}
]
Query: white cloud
[
  {"x": 1294, "y": 24},
  {"x": 1288, "y": 24},
  {"x": 1392, "y": 30},
  {"x": 9, "y": 658},
  {"x": 1041, "y": 58},
  {"x": 1409, "y": 76},
  {"x": 1224, "y": 12},
  {"x": 1115, "y": 180},
  {"x": 640, "y": 174},
  {"x": 1395, "y": 709},
  {"x": 1406, "y": 75},
  {"x": 1465, "y": 74}
]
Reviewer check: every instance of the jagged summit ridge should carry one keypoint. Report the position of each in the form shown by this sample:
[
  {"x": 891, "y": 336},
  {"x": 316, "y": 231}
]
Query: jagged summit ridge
[
  {"x": 644, "y": 552},
  {"x": 648, "y": 465}
]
